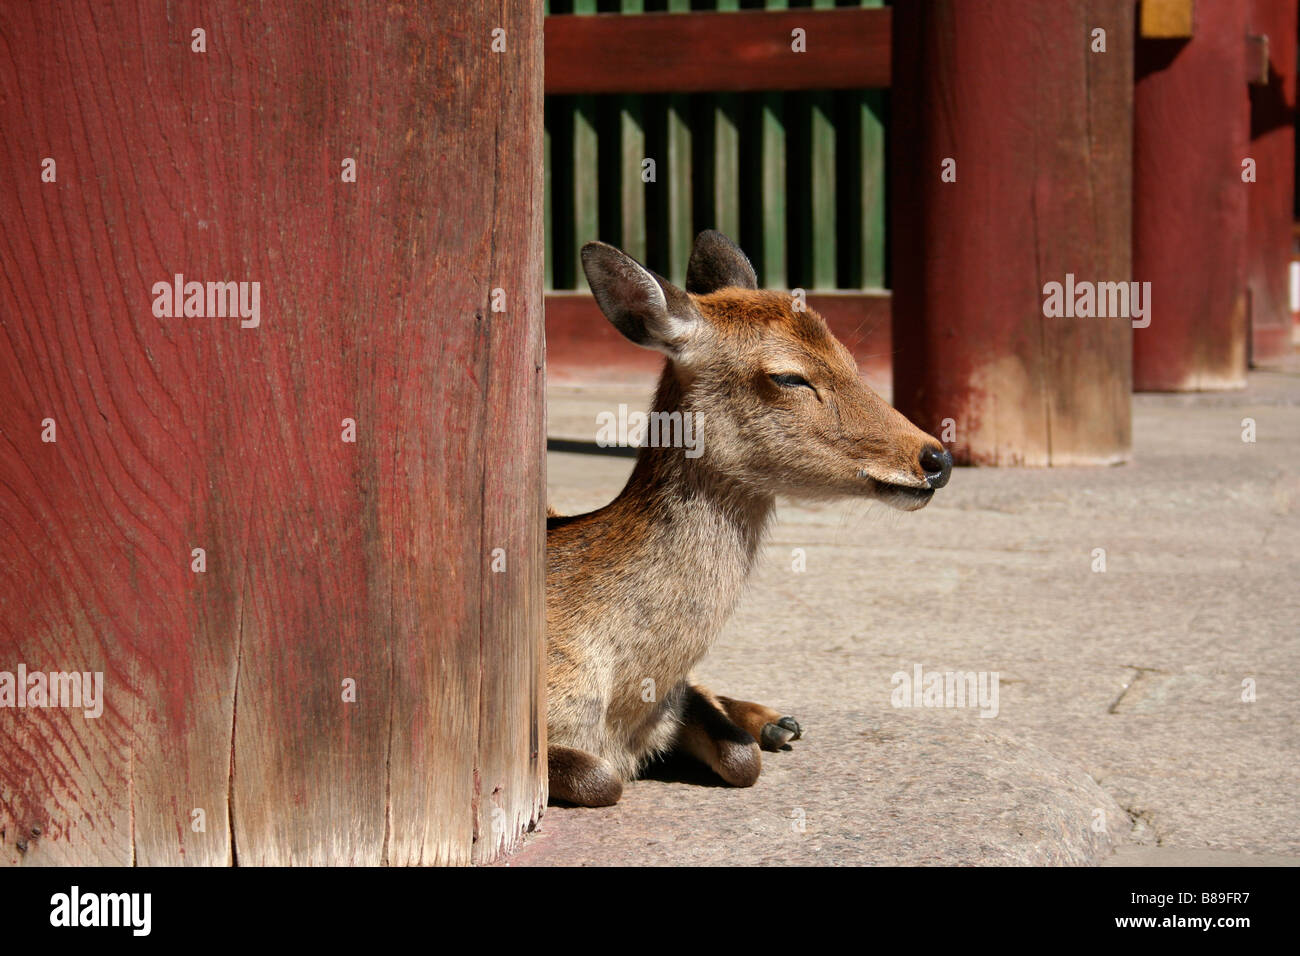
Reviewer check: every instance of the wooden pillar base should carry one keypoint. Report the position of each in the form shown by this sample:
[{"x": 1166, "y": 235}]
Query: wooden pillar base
[
  {"x": 1190, "y": 218},
  {"x": 1032, "y": 127},
  {"x": 1272, "y": 196}
]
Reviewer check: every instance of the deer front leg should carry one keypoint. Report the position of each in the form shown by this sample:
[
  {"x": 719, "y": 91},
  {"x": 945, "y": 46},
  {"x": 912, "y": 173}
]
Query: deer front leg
[
  {"x": 764, "y": 724},
  {"x": 576, "y": 776},
  {"x": 709, "y": 735}
]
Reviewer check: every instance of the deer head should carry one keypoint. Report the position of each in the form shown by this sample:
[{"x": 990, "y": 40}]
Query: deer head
[{"x": 777, "y": 399}]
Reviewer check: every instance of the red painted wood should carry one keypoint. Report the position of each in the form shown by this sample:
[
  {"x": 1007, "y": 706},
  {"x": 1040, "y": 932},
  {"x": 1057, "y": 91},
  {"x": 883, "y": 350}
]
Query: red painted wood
[
  {"x": 715, "y": 52},
  {"x": 1271, "y": 198},
  {"x": 1190, "y": 213},
  {"x": 326, "y": 560},
  {"x": 583, "y": 348},
  {"x": 862, "y": 321},
  {"x": 1039, "y": 129}
]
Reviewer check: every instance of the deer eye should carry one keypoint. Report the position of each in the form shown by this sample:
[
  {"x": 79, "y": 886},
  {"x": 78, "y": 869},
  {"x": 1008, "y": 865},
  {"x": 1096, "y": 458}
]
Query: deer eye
[{"x": 790, "y": 380}]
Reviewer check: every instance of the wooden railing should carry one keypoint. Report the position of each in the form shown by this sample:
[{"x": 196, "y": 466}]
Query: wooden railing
[{"x": 718, "y": 52}]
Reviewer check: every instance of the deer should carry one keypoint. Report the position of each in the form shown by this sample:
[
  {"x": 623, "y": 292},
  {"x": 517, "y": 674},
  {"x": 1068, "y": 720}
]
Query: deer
[{"x": 638, "y": 591}]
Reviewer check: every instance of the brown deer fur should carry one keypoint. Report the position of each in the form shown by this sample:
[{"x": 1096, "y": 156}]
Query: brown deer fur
[{"x": 638, "y": 590}]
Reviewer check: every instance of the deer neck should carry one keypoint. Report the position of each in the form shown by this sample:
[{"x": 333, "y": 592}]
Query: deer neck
[{"x": 694, "y": 533}]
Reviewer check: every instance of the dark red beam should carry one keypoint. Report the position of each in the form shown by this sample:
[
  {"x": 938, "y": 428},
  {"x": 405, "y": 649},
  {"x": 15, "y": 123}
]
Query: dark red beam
[
  {"x": 582, "y": 347},
  {"x": 717, "y": 52}
]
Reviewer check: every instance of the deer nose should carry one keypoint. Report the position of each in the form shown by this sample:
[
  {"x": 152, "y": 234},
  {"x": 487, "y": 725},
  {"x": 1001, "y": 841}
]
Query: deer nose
[{"x": 936, "y": 462}]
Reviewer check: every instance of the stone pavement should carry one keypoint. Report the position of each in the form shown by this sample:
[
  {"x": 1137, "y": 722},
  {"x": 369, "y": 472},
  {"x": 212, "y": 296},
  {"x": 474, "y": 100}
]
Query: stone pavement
[{"x": 1120, "y": 716}]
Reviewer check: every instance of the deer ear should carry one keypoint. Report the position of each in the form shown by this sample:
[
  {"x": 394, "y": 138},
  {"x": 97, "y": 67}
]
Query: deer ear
[
  {"x": 717, "y": 263},
  {"x": 648, "y": 309}
]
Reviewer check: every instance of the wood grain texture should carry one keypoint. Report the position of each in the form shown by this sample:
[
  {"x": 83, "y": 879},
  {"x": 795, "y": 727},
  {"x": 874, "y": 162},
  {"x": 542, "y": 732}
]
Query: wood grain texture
[
  {"x": 1272, "y": 196},
  {"x": 1039, "y": 128},
  {"x": 1190, "y": 205},
  {"x": 717, "y": 52},
  {"x": 326, "y": 560}
]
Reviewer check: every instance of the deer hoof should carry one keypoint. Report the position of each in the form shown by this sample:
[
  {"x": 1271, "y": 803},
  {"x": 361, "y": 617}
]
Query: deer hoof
[{"x": 777, "y": 735}]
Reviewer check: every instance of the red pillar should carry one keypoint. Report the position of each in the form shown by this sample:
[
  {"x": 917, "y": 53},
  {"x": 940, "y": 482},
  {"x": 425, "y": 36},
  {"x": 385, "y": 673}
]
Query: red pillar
[
  {"x": 1038, "y": 126},
  {"x": 351, "y": 671},
  {"x": 1272, "y": 196},
  {"x": 1190, "y": 205}
]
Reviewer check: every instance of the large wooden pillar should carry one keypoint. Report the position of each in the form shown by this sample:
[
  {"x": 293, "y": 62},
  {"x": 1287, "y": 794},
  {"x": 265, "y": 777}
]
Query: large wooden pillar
[
  {"x": 349, "y": 670},
  {"x": 1271, "y": 197},
  {"x": 1037, "y": 128},
  {"x": 1190, "y": 213}
]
